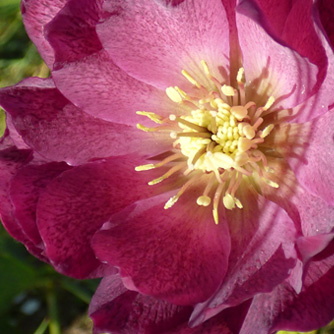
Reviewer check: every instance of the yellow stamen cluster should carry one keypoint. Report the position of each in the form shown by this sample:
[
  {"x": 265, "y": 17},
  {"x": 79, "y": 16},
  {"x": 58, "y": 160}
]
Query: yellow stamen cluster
[{"x": 219, "y": 138}]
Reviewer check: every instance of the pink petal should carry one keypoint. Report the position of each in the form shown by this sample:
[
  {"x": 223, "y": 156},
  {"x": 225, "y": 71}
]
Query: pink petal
[
  {"x": 178, "y": 254},
  {"x": 59, "y": 131},
  {"x": 76, "y": 204},
  {"x": 164, "y": 40},
  {"x": 284, "y": 309},
  {"x": 115, "y": 309},
  {"x": 72, "y": 32},
  {"x": 119, "y": 95},
  {"x": 36, "y": 14},
  {"x": 314, "y": 171},
  {"x": 311, "y": 214},
  {"x": 273, "y": 69},
  {"x": 262, "y": 254}
]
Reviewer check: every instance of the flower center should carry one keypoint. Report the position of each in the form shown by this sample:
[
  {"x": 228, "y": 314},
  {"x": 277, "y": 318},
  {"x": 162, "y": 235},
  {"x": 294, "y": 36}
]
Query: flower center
[{"x": 219, "y": 136}]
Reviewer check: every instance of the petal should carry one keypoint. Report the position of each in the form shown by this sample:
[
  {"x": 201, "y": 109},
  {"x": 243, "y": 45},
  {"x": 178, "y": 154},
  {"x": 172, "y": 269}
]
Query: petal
[
  {"x": 273, "y": 14},
  {"x": 72, "y": 32},
  {"x": 326, "y": 11},
  {"x": 25, "y": 189},
  {"x": 314, "y": 163},
  {"x": 36, "y": 14},
  {"x": 59, "y": 131},
  {"x": 178, "y": 254},
  {"x": 115, "y": 309},
  {"x": 272, "y": 69},
  {"x": 11, "y": 159},
  {"x": 262, "y": 254},
  {"x": 101, "y": 89},
  {"x": 76, "y": 204},
  {"x": 310, "y": 213},
  {"x": 284, "y": 309},
  {"x": 164, "y": 40}
]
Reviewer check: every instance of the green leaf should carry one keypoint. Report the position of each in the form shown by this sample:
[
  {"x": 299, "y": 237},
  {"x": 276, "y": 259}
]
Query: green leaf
[{"x": 15, "y": 277}]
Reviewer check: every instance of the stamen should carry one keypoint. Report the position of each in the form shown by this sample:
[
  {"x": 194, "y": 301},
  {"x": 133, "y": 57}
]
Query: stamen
[
  {"x": 146, "y": 129},
  {"x": 173, "y": 94},
  {"x": 175, "y": 198},
  {"x": 198, "y": 155},
  {"x": 190, "y": 78},
  {"x": 168, "y": 174},
  {"x": 216, "y": 199},
  {"x": 228, "y": 90},
  {"x": 194, "y": 134},
  {"x": 205, "y": 68},
  {"x": 240, "y": 75},
  {"x": 271, "y": 183},
  {"x": 144, "y": 167},
  {"x": 229, "y": 202},
  {"x": 203, "y": 200},
  {"x": 239, "y": 112},
  {"x": 152, "y": 116},
  {"x": 269, "y": 103},
  {"x": 266, "y": 131},
  {"x": 188, "y": 124}
]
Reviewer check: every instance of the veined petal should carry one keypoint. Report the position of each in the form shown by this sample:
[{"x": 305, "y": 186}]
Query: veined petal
[
  {"x": 25, "y": 189},
  {"x": 76, "y": 204},
  {"x": 270, "y": 68},
  {"x": 284, "y": 309},
  {"x": 72, "y": 33},
  {"x": 119, "y": 95},
  {"x": 59, "y": 131},
  {"x": 262, "y": 254},
  {"x": 36, "y": 14},
  {"x": 164, "y": 39},
  {"x": 114, "y": 308},
  {"x": 180, "y": 256}
]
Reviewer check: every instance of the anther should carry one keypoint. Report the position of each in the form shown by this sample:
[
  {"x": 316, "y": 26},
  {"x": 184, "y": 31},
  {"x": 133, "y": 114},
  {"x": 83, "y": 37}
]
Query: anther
[
  {"x": 228, "y": 90},
  {"x": 203, "y": 200},
  {"x": 190, "y": 78},
  {"x": 152, "y": 116},
  {"x": 229, "y": 202},
  {"x": 266, "y": 131},
  {"x": 269, "y": 103},
  {"x": 173, "y": 94},
  {"x": 239, "y": 112}
]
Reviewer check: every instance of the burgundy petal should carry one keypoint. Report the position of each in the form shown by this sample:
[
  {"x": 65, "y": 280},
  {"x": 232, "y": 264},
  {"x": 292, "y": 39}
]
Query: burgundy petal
[
  {"x": 115, "y": 309},
  {"x": 178, "y": 254},
  {"x": 262, "y": 254},
  {"x": 284, "y": 309},
  {"x": 25, "y": 189},
  {"x": 76, "y": 204}
]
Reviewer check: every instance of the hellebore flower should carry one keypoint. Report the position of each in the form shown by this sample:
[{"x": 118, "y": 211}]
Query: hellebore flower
[{"x": 182, "y": 150}]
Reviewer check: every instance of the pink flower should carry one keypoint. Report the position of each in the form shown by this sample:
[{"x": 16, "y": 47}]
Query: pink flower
[{"x": 182, "y": 150}]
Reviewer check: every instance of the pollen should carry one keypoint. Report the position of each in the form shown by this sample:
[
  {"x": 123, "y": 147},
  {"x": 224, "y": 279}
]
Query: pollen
[{"x": 216, "y": 144}]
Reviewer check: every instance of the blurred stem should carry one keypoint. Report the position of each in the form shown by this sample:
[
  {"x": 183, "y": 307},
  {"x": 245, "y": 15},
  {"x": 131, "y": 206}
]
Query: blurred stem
[
  {"x": 54, "y": 325},
  {"x": 42, "y": 327},
  {"x": 77, "y": 291}
]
